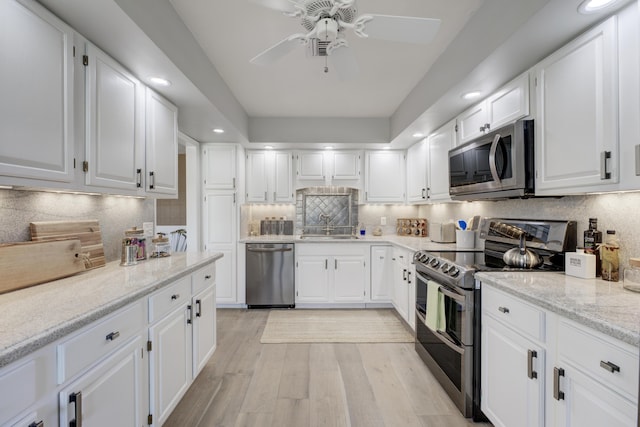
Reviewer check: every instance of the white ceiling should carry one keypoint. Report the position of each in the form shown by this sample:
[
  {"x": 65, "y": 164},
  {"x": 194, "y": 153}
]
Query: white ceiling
[
  {"x": 204, "y": 47},
  {"x": 231, "y": 32}
]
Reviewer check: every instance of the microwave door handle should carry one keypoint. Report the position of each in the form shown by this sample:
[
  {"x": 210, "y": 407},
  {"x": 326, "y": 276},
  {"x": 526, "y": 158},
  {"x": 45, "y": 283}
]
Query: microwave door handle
[{"x": 492, "y": 158}]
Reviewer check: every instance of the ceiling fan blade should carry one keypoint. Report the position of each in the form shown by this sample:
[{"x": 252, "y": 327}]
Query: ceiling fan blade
[
  {"x": 344, "y": 62},
  {"x": 406, "y": 29},
  {"x": 277, "y": 51},
  {"x": 279, "y": 5}
]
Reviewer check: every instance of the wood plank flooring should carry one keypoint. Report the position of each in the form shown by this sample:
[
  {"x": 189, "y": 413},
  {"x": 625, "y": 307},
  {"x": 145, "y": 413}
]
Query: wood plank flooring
[{"x": 247, "y": 383}]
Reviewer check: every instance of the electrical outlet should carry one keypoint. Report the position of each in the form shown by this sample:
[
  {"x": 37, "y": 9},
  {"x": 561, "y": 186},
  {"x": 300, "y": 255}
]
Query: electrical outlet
[
  {"x": 383, "y": 220},
  {"x": 148, "y": 228}
]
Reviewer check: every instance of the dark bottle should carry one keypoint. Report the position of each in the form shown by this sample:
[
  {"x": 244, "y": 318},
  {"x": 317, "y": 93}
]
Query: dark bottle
[{"x": 592, "y": 240}]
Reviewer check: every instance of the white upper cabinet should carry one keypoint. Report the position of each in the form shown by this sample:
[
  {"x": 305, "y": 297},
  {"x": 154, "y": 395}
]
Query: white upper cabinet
[
  {"x": 384, "y": 176},
  {"x": 417, "y": 172},
  {"x": 161, "y": 145},
  {"x": 219, "y": 167},
  {"x": 346, "y": 165},
  {"x": 36, "y": 87},
  {"x": 114, "y": 114},
  {"x": 577, "y": 116},
  {"x": 311, "y": 166},
  {"x": 269, "y": 177},
  {"x": 509, "y": 103},
  {"x": 328, "y": 168},
  {"x": 440, "y": 142}
]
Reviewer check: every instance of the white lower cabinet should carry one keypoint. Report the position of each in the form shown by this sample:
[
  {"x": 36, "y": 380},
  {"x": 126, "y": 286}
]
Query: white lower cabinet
[
  {"x": 111, "y": 394},
  {"x": 539, "y": 368},
  {"x": 403, "y": 295},
  {"x": 381, "y": 273},
  {"x": 327, "y": 273},
  {"x": 204, "y": 328}
]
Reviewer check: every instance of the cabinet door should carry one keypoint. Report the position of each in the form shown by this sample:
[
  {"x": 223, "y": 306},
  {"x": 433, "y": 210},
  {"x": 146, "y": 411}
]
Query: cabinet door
[
  {"x": 509, "y": 103},
  {"x": 311, "y": 166},
  {"x": 586, "y": 402},
  {"x": 283, "y": 178},
  {"x": 219, "y": 219},
  {"x": 417, "y": 161},
  {"x": 161, "y": 145},
  {"x": 471, "y": 123},
  {"x": 411, "y": 295},
  {"x": 385, "y": 176},
  {"x": 110, "y": 394},
  {"x": 219, "y": 167},
  {"x": 381, "y": 273},
  {"x": 440, "y": 142},
  {"x": 170, "y": 362},
  {"x": 346, "y": 165},
  {"x": 349, "y": 278},
  {"x": 115, "y": 123},
  {"x": 577, "y": 115},
  {"x": 204, "y": 328},
  {"x": 36, "y": 83},
  {"x": 400, "y": 288},
  {"x": 312, "y": 278},
  {"x": 257, "y": 177},
  {"x": 509, "y": 396}
]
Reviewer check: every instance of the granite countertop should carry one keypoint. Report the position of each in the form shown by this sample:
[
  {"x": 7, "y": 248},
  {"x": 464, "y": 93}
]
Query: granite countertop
[
  {"x": 36, "y": 316},
  {"x": 406, "y": 242},
  {"x": 604, "y": 306}
]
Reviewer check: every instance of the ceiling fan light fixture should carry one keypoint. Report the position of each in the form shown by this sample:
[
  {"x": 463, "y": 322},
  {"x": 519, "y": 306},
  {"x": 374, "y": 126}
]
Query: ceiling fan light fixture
[
  {"x": 471, "y": 94},
  {"x": 593, "y": 6}
]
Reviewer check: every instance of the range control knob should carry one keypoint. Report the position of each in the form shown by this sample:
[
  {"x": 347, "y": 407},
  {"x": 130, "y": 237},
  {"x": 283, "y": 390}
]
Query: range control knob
[
  {"x": 454, "y": 272},
  {"x": 445, "y": 267},
  {"x": 435, "y": 263},
  {"x": 424, "y": 257}
]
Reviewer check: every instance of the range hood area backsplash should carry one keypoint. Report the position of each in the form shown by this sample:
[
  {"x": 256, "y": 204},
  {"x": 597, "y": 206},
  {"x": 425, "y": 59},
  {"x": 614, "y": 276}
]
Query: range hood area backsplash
[{"x": 116, "y": 214}]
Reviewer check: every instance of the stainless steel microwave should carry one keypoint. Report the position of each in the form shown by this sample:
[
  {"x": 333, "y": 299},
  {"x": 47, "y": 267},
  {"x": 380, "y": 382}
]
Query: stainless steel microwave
[{"x": 496, "y": 165}]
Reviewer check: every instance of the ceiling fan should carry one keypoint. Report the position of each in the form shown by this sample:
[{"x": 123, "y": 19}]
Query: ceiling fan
[{"x": 326, "y": 22}]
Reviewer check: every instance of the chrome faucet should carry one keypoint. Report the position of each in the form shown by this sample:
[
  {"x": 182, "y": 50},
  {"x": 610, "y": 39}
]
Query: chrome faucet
[{"x": 326, "y": 218}]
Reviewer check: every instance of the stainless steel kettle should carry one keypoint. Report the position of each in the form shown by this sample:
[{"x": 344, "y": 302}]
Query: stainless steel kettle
[{"x": 522, "y": 257}]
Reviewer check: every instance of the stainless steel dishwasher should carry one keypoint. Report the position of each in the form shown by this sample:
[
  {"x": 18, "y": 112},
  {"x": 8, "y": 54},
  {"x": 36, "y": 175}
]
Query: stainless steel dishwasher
[{"x": 270, "y": 275}]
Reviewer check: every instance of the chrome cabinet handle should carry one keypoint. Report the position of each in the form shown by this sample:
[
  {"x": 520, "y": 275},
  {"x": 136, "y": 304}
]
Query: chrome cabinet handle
[
  {"x": 409, "y": 277},
  {"x": 234, "y": 183},
  {"x": 190, "y": 318},
  {"x": 531, "y": 354},
  {"x": 335, "y": 264},
  {"x": 557, "y": 373},
  {"x": 198, "y": 308},
  {"x": 138, "y": 178},
  {"x": 404, "y": 274},
  {"x": 175, "y": 297},
  {"x": 37, "y": 424},
  {"x": 274, "y": 196},
  {"x": 604, "y": 156},
  {"x": 638, "y": 160},
  {"x": 112, "y": 336},
  {"x": 265, "y": 196},
  {"x": 152, "y": 180},
  {"x": 481, "y": 128},
  {"x": 207, "y": 277},
  {"x": 504, "y": 310},
  {"x": 487, "y": 126},
  {"x": 424, "y": 191},
  {"x": 611, "y": 367},
  {"x": 76, "y": 398},
  {"x": 326, "y": 264}
]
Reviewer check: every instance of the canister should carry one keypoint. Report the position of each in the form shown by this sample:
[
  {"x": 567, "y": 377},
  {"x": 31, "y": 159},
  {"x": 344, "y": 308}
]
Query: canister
[
  {"x": 136, "y": 237},
  {"x": 161, "y": 247}
]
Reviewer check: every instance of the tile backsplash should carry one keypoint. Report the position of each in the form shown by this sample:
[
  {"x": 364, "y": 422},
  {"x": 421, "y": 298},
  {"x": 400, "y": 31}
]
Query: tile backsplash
[{"x": 19, "y": 208}]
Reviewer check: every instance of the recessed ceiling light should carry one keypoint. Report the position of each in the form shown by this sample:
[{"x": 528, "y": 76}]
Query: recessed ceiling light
[
  {"x": 418, "y": 135},
  {"x": 269, "y": 147},
  {"x": 471, "y": 95},
  {"x": 328, "y": 147},
  {"x": 593, "y": 6},
  {"x": 386, "y": 148},
  {"x": 218, "y": 130},
  {"x": 159, "y": 81}
]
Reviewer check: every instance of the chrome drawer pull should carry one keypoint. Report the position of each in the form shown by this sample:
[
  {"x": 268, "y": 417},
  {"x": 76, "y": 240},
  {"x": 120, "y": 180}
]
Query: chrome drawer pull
[
  {"x": 37, "y": 424},
  {"x": 112, "y": 336},
  {"x": 77, "y": 399},
  {"x": 557, "y": 373},
  {"x": 175, "y": 297},
  {"x": 531, "y": 354},
  {"x": 611, "y": 367},
  {"x": 207, "y": 277},
  {"x": 504, "y": 310}
]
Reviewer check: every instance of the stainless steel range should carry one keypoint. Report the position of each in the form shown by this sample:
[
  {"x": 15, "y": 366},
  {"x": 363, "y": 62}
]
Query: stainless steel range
[{"x": 448, "y": 298}]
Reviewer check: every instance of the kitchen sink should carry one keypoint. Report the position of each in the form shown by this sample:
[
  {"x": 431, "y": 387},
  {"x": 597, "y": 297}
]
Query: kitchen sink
[{"x": 330, "y": 237}]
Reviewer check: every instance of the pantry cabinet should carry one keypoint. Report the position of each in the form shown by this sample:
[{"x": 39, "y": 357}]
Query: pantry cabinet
[
  {"x": 385, "y": 176},
  {"x": 269, "y": 177},
  {"x": 114, "y": 112},
  {"x": 36, "y": 110},
  {"x": 506, "y": 105},
  {"x": 219, "y": 166},
  {"x": 577, "y": 114}
]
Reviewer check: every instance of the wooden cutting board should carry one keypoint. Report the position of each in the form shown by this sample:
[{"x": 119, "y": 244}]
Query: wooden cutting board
[
  {"x": 30, "y": 263},
  {"x": 87, "y": 231}
]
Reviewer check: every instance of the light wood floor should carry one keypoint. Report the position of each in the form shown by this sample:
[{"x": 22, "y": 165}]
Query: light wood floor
[{"x": 251, "y": 384}]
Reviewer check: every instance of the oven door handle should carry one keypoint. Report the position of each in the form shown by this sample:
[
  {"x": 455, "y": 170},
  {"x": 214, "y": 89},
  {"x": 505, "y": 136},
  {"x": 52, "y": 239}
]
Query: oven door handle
[
  {"x": 457, "y": 297},
  {"x": 422, "y": 277},
  {"x": 441, "y": 335},
  {"x": 492, "y": 158}
]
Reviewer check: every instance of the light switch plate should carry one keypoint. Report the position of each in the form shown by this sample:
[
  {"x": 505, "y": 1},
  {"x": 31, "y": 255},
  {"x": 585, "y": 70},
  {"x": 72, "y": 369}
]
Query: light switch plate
[
  {"x": 383, "y": 220},
  {"x": 148, "y": 229}
]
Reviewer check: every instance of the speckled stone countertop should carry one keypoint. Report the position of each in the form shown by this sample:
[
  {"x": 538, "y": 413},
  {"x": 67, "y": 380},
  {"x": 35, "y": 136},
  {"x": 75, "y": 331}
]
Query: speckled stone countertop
[
  {"x": 34, "y": 317},
  {"x": 604, "y": 306},
  {"x": 409, "y": 243}
]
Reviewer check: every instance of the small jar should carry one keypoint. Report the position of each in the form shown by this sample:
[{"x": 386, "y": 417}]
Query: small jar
[
  {"x": 632, "y": 275},
  {"x": 136, "y": 237},
  {"x": 161, "y": 246}
]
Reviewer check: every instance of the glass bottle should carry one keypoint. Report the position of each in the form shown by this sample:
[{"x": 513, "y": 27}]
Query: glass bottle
[
  {"x": 592, "y": 240},
  {"x": 609, "y": 257}
]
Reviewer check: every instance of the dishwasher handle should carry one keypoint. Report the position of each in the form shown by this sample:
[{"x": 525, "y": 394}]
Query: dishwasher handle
[{"x": 269, "y": 249}]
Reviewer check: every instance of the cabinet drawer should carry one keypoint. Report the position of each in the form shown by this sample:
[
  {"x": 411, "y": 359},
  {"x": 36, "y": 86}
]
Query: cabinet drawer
[
  {"x": 169, "y": 298},
  {"x": 514, "y": 313},
  {"x": 87, "y": 347},
  {"x": 203, "y": 278},
  {"x": 598, "y": 355}
]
